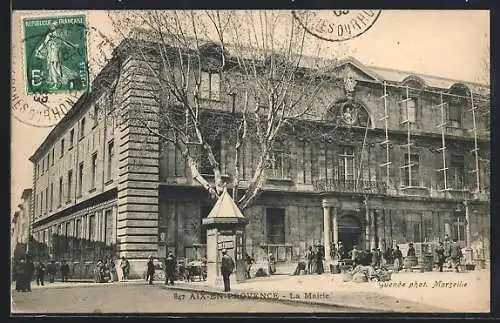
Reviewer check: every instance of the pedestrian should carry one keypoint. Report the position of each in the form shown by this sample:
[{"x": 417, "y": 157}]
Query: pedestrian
[
  {"x": 226, "y": 268},
  {"x": 354, "y": 256},
  {"x": 170, "y": 269},
  {"x": 319, "y": 259},
  {"x": 271, "y": 263},
  {"x": 112, "y": 270},
  {"x": 376, "y": 258},
  {"x": 341, "y": 250},
  {"x": 29, "y": 272},
  {"x": 249, "y": 260},
  {"x": 51, "y": 270},
  {"x": 398, "y": 258},
  {"x": 125, "y": 267},
  {"x": 439, "y": 256},
  {"x": 411, "y": 250},
  {"x": 19, "y": 274},
  {"x": 151, "y": 271},
  {"x": 64, "y": 271},
  {"x": 40, "y": 273},
  {"x": 389, "y": 256},
  {"x": 310, "y": 260},
  {"x": 455, "y": 254},
  {"x": 98, "y": 276}
]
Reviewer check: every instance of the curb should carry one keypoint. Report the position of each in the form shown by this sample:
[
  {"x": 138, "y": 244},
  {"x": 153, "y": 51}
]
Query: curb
[{"x": 283, "y": 300}]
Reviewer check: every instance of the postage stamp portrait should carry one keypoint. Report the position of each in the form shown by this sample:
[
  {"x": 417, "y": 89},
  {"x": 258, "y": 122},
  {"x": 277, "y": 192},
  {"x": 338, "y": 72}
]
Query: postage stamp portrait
[{"x": 55, "y": 54}]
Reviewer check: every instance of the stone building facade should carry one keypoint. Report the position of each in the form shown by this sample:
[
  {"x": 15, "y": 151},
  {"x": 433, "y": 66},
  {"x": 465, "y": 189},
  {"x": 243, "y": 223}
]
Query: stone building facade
[
  {"x": 402, "y": 158},
  {"x": 20, "y": 226}
]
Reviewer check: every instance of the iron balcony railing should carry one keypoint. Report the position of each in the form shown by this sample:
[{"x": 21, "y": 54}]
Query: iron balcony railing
[{"x": 350, "y": 186}]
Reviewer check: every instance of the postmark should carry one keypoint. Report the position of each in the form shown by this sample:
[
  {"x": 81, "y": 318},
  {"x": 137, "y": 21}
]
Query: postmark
[
  {"x": 50, "y": 71},
  {"x": 55, "y": 54},
  {"x": 336, "y": 25}
]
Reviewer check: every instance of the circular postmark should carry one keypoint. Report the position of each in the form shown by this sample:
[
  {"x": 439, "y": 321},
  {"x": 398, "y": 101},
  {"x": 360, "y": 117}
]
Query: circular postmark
[
  {"x": 336, "y": 25},
  {"x": 49, "y": 68}
]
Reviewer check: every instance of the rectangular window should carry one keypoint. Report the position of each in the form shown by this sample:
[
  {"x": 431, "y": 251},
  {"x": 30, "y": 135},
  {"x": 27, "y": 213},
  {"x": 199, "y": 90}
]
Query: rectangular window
[
  {"x": 455, "y": 115},
  {"x": 409, "y": 110},
  {"x": 108, "y": 227},
  {"x": 346, "y": 164},
  {"x": 62, "y": 147},
  {"x": 46, "y": 200},
  {"x": 210, "y": 86},
  {"x": 60, "y": 191},
  {"x": 415, "y": 227},
  {"x": 80, "y": 179},
  {"x": 51, "y": 195},
  {"x": 456, "y": 172},
  {"x": 111, "y": 153},
  {"x": 82, "y": 128},
  {"x": 206, "y": 168},
  {"x": 96, "y": 114},
  {"x": 459, "y": 228},
  {"x": 71, "y": 138},
  {"x": 280, "y": 164},
  {"x": 275, "y": 220},
  {"x": 94, "y": 170},
  {"x": 53, "y": 156},
  {"x": 411, "y": 170},
  {"x": 66, "y": 230},
  {"x": 92, "y": 228},
  {"x": 78, "y": 227},
  {"x": 43, "y": 166},
  {"x": 70, "y": 184}
]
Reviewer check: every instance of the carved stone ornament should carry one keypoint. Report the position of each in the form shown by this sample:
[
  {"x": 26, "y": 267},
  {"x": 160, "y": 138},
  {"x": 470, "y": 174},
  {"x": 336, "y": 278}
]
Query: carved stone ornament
[
  {"x": 349, "y": 85},
  {"x": 349, "y": 113}
]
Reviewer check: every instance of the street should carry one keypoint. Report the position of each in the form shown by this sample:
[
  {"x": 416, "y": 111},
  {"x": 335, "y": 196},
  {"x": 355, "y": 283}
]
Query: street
[{"x": 142, "y": 298}]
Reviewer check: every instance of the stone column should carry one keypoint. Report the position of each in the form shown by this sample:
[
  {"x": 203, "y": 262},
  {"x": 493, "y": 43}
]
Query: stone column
[
  {"x": 373, "y": 240},
  {"x": 335, "y": 226},
  {"x": 326, "y": 230},
  {"x": 368, "y": 224},
  {"x": 380, "y": 230},
  {"x": 468, "y": 249}
]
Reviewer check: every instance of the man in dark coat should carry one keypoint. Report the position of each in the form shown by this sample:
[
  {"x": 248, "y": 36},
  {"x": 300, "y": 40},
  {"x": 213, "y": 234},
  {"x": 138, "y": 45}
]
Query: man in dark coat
[
  {"x": 249, "y": 260},
  {"x": 29, "y": 272},
  {"x": 455, "y": 255},
  {"x": 320, "y": 255},
  {"x": 40, "y": 273},
  {"x": 439, "y": 256},
  {"x": 411, "y": 250},
  {"x": 398, "y": 258},
  {"x": 51, "y": 270},
  {"x": 226, "y": 268},
  {"x": 310, "y": 260},
  {"x": 64, "y": 271},
  {"x": 19, "y": 274},
  {"x": 169, "y": 269},
  {"x": 151, "y": 271}
]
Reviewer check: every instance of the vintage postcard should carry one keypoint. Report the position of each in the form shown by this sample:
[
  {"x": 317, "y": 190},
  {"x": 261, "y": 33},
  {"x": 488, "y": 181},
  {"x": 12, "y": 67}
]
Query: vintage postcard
[{"x": 314, "y": 161}]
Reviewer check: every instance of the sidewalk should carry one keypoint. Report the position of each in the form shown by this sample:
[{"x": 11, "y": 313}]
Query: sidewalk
[
  {"x": 80, "y": 283},
  {"x": 407, "y": 292}
]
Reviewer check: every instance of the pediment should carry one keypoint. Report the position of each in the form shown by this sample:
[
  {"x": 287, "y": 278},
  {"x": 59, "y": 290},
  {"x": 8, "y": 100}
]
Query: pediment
[{"x": 354, "y": 69}]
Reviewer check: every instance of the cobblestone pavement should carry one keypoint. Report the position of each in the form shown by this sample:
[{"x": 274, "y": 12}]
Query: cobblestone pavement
[{"x": 142, "y": 298}]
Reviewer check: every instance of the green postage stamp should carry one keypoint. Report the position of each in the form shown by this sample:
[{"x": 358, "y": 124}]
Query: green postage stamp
[{"x": 56, "y": 54}]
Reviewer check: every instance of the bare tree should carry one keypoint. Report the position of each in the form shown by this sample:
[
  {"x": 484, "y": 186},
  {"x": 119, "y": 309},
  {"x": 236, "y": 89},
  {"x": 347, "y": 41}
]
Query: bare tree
[{"x": 256, "y": 59}]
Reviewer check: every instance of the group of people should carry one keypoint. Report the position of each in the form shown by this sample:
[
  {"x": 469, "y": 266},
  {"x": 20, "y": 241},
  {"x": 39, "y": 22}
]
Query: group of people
[
  {"x": 25, "y": 270},
  {"x": 105, "y": 271}
]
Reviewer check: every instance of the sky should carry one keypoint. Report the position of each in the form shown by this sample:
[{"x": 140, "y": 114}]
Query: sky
[{"x": 447, "y": 43}]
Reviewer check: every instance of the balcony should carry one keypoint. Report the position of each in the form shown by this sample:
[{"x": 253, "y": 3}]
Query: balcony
[{"x": 350, "y": 186}]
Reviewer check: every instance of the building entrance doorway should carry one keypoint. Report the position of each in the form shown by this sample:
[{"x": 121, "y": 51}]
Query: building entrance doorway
[{"x": 350, "y": 232}]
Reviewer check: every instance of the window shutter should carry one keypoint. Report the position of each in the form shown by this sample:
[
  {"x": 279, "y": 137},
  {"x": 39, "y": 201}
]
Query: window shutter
[
  {"x": 215, "y": 86},
  {"x": 205, "y": 85}
]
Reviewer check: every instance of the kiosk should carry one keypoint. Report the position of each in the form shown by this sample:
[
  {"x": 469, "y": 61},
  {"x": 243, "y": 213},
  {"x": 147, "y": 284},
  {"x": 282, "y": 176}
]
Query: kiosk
[{"x": 225, "y": 230}]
